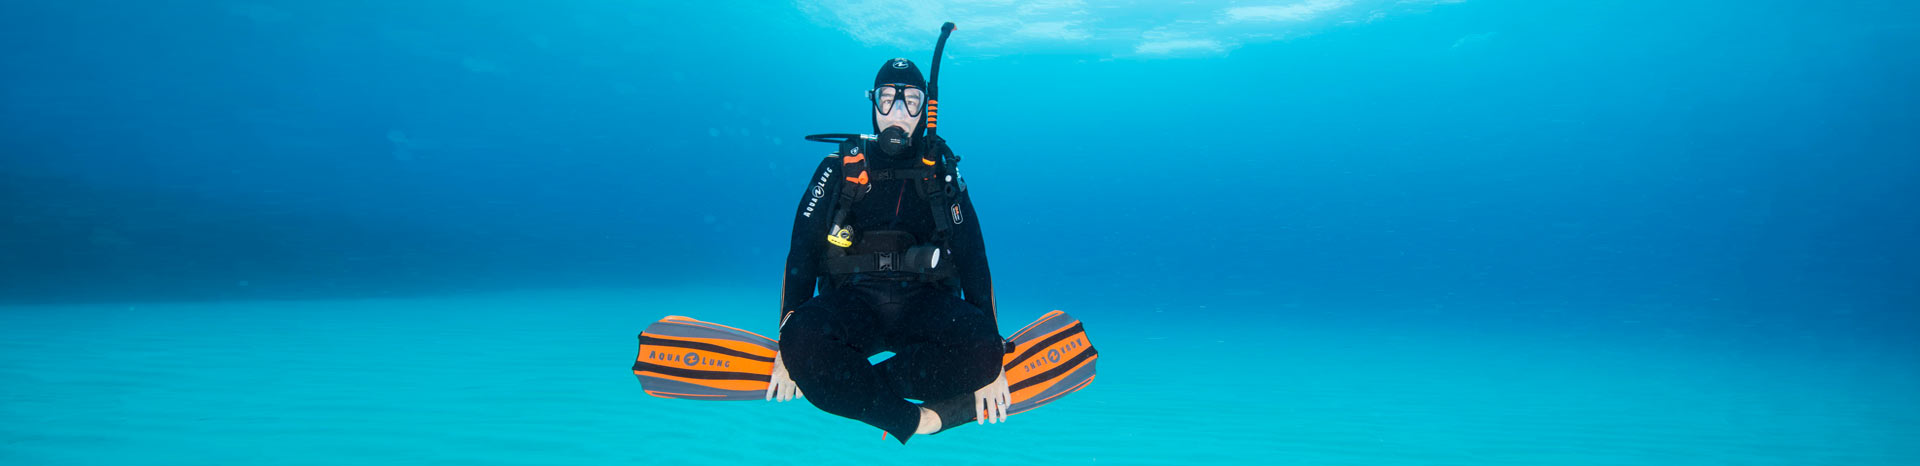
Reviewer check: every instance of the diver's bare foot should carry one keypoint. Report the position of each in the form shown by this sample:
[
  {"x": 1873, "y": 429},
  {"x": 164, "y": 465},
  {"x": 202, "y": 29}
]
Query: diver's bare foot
[{"x": 929, "y": 422}]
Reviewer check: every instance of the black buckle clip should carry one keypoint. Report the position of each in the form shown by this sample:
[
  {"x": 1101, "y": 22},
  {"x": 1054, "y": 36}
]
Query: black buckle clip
[{"x": 886, "y": 260}]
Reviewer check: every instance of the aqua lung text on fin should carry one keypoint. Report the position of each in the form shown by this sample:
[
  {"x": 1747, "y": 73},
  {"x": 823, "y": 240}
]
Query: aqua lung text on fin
[
  {"x": 691, "y": 359},
  {"x": 1054, "y": 354}
]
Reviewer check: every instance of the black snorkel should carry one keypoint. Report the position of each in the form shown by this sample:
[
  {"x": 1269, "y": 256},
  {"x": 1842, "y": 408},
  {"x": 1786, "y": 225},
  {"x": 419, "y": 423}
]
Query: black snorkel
[{"x": 928, "y": 119}]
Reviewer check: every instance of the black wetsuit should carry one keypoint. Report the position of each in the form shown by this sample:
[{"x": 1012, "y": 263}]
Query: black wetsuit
[{"x": 945, "y": 346}]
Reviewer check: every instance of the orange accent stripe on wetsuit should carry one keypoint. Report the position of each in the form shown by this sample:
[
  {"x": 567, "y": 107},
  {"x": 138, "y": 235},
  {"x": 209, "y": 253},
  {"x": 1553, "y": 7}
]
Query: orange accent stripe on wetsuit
[
  {"x": 862, "y": 179},
  {"x": 855, "y": 158},
  {"x": 993, "y": 304}
]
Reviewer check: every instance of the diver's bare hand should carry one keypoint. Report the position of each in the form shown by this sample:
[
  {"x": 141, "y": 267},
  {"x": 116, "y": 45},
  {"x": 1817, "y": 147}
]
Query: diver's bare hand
[
  {"x": 990, "y": 402},
  {"x": 781, "y": 387}
]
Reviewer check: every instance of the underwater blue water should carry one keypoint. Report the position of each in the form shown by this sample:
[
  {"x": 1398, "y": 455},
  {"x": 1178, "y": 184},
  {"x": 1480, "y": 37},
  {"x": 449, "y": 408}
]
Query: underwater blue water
[{"x": 1299, "y": 231}]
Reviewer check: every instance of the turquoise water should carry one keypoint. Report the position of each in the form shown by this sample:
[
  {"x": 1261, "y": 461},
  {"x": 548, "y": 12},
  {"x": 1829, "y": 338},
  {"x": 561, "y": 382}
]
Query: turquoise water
[
  {"x": 541, "y": 378},
  {"x": 1298, "y": 231}
]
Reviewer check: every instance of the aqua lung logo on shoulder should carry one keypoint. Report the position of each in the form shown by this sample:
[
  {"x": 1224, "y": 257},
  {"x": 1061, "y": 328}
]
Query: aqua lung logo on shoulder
[
  {"x": 690, "y": 359},
  {"x": 1055, "y": 354},
  {"x": 819, "y": 191}
]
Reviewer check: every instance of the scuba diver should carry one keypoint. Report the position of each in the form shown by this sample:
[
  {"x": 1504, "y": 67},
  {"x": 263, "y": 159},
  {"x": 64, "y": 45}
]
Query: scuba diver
[
  {"x": 887, "y": 257},
  {"x": 887, "y": 234}
]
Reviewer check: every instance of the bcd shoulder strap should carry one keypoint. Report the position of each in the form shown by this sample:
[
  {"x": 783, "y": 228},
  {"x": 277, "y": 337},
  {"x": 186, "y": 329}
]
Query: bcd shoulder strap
[
  {"x": 853, "y": 165},
  {"x": 941, "y": 191}
]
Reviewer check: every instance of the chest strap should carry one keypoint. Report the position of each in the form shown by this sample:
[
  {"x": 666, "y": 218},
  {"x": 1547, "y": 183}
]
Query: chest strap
[{"x": 925, "y": 263}]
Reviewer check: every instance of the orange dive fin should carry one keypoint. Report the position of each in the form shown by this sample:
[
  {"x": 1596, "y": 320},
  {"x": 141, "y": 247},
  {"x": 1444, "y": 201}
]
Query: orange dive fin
[
  {"x": 690, "y": 359},
  {"x": 1051, "y": 358},
  {"x": 685, "y": 358}
]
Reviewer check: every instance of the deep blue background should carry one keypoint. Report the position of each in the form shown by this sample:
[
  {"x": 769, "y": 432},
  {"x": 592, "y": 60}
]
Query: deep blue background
[{"x": 1726, "y": 161}]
